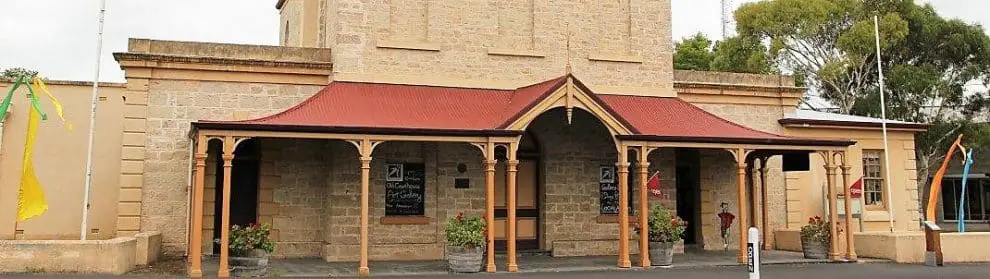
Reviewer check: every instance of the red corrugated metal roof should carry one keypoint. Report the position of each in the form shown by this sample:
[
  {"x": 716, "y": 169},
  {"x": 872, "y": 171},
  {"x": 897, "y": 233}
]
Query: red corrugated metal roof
[
  {"x": 395, "y": 108},
  {"x": 673, "y": 117},
  {"x": 373, "y": 105}
]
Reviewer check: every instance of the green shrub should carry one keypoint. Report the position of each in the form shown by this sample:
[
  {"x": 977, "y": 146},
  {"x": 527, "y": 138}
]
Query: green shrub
[
  {"x": 816, "y": 230},
  {"x": 467, "y": 232},
  {"x": 255, "y": 236},
  {"x": 664, "y": 226}
]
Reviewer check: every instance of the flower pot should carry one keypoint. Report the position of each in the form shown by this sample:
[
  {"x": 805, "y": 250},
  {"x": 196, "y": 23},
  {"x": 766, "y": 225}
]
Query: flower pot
[
  {"x": 252, "y": 263},
  {"x": 253, "y": 258},
  {"x": 465, "y": 260},
  {"x": 814, "y": 249},
  {"x": 661, "y": 253}
]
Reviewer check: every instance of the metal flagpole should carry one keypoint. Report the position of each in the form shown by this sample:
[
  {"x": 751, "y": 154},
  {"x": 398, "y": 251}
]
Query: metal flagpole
[
  {"x": 883, "y": 115},
  {"x": 92, "y": 122}
]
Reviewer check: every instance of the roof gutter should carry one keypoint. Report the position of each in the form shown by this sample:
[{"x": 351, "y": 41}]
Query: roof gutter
[
  {"x": 767, "y": 141},
  {"x": 798, "y": 122},
  {"x": 348, "y": 130}
]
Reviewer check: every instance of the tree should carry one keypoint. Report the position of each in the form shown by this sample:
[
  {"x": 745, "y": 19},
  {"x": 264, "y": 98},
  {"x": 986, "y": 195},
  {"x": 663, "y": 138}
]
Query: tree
[
  {"x": 927, "y": 62},
  {"x": 12, "y": 74},
  {"x": 742, "y": 55},
  {"x": 736, "y": 54},
  {"x": 827, "y": 41},
  {"x": 693, "y": 53}
]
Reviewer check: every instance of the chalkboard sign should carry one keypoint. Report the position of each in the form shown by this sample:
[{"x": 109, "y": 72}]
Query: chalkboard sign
[
  {"x": 405, "y": 189},
  {"x": 609, "y": 186}
]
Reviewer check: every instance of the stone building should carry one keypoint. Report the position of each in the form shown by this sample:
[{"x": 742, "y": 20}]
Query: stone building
[{"x": 376, "y": 121}]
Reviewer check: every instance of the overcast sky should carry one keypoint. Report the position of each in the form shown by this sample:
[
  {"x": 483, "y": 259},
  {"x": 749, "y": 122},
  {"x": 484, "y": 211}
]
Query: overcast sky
[{"x": 58, "y": 37}]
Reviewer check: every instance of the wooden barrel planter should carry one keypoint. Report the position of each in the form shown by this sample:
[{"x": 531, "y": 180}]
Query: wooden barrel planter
[
  {"x": 814, "y": 249},
  {"x": 465, "y": 260},
  {"x": 661, "y": 253}
]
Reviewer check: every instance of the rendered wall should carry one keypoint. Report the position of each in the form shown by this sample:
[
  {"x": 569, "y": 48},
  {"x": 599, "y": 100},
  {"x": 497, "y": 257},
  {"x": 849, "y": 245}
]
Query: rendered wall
[
  {"x": 806, "y": 190},
  {"x": 60, "y": 163}
]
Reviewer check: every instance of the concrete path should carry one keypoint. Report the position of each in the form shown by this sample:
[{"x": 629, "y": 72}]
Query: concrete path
[
  {"x": 788, "y": 271},
  {"x": 533, "y": 263}
]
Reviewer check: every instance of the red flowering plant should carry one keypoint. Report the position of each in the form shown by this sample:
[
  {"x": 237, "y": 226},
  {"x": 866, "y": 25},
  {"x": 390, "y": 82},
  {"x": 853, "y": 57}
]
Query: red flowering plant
[
  {"x": 253, "y": 237},
  {"x": 466, "y": 232},
  {"x": 816, "y": 230},
  {"x": 665, "y": 226}
]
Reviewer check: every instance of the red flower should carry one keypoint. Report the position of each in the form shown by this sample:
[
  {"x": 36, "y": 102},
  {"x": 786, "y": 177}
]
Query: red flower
[{"x": 460, "y": 216}]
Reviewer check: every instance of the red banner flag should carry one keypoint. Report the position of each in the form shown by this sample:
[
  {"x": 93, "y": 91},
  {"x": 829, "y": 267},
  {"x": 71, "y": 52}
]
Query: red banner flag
[
  {"x": 654, "y": 185},
  {"x": 856, "y": 190}
]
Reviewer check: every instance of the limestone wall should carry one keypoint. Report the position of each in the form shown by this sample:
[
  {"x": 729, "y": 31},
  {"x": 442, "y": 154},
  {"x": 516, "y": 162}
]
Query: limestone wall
[
  {"x": 290, "y": 23},
  {"x": 400, "y": 238},
  {"x": 616, "y": 47},
  {"x": 171, "y": 106},
  {"x": 300, "y": 195}
]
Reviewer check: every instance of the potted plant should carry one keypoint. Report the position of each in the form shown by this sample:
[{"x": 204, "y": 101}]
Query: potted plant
[
  {"x": 465, "y": 243},
  {"x": 815, "y": 238},
  {"x": 249, "y": 248},
  {"x": 665, "y": 230}
]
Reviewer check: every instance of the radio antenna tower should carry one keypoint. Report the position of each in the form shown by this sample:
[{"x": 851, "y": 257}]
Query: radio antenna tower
[{"x": 726, "y": 18}]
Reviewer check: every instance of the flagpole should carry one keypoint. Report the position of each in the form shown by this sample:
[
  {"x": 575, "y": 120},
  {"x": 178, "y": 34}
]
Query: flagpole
[
  {"x": 883, "y": 116},
  {"x": 92, "y": 122}
]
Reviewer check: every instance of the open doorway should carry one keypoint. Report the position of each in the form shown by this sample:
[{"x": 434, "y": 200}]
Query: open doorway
[
  {"x": 527, "y": 197},
  {"x": 689, "y": 195},
  {"x": 245, "y": 176}
]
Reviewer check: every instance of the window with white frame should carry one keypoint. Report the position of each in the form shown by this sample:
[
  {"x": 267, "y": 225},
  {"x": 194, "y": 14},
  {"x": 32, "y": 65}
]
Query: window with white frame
[{"x": 873, "y": 178}]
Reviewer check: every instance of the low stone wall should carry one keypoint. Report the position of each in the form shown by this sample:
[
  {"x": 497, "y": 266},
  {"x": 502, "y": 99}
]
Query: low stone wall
[
  {"x": 964, "y": 247},
  {"x": 900, "y": 247},
  {"x": 114, "y": 256},
  {"x": 787, "y": 240},
  {"x": 582, "y": 248}
]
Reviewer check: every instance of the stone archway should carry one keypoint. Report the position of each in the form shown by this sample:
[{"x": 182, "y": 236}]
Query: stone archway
[{"x": 572, "y": 220}]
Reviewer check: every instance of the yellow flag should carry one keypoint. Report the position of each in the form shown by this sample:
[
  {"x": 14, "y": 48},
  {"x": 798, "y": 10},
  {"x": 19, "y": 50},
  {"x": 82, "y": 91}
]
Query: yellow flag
[
  {"x": 30, "y": 198},
  {"x": 39, "y": 86}
]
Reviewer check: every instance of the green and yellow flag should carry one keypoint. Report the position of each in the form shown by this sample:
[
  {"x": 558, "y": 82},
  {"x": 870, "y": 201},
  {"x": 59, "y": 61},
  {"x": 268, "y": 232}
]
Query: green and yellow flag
[{"x": 30, "y": 198}]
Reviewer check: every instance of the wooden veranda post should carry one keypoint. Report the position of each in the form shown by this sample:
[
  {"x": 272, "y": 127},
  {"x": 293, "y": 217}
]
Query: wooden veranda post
[
  {"x": 763, "y": 202},
  {"x": 644, "y": 207},
  {"x": 365, "y": 148},
  {"x": 623, "y": 173},
  {"x": 511, "y": 169},
  {"x": 846, "y": 172},
  {"x": 830, "y": 167},
  {"x": 196, "y": 241},
  {"x": 229, "y": 144},
  {"x": 740, "y": 156},
  {"x": 490, "y": 205}
]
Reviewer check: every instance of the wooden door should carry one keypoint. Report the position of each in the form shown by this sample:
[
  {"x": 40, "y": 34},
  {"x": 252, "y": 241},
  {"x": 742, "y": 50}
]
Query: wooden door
[{"x": 527, "y": 206}]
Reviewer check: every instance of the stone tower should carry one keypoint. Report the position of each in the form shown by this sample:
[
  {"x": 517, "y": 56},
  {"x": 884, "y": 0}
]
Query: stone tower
[{"x": 616, "y": 46}]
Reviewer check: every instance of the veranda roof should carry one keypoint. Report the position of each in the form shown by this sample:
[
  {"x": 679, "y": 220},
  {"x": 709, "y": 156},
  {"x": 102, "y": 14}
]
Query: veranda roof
[{"x": 379, "y": 108}]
